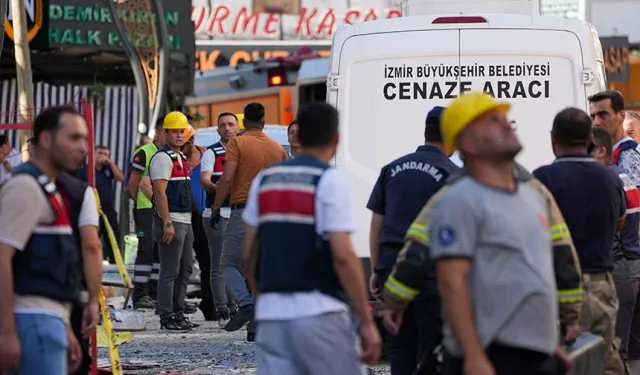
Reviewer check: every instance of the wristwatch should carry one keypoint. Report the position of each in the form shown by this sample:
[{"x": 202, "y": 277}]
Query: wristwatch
[{"x": 167, "y": 224}]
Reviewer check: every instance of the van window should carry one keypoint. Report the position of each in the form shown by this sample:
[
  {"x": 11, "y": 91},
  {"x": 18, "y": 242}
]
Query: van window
[{"x": 309, "y": 93}]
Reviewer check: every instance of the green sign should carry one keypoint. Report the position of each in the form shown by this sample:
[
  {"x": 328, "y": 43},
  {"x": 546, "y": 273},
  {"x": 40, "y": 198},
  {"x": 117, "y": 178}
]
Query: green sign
[{"x": 93, "y": 26}]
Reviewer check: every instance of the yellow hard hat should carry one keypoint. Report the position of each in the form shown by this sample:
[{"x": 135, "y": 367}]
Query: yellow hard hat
[
  {"x": 175, "y": 120},
  {"x": 189, "y": 132},
  {"x": 462, "y": 111},
  {"x": 240, "y": 117}
]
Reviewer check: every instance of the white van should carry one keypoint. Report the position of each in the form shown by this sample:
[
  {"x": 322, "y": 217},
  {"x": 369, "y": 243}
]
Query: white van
[{"x": 386, "y": 75}]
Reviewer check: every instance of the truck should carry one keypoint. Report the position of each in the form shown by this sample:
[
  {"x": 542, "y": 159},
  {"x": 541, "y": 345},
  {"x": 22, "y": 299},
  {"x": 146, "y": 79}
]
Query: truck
[{"x": 281, "y": 84}]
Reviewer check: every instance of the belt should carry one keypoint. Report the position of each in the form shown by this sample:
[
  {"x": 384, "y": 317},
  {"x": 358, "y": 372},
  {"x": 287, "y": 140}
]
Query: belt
[
  {"x": 237, "y": 206},
  {"x": 596, "y": 276}
]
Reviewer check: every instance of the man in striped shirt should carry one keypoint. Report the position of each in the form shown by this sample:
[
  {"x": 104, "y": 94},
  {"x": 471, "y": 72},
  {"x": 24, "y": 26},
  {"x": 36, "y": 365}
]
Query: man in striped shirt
[{"x": 626, "y": 267}]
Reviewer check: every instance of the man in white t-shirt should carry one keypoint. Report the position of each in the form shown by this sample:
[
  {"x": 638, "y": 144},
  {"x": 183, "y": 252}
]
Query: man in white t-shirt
[
  {"x": 39, "y": 265},
  {"x": 212, "y": 168},
  {"x": 300, "y": 261},
  {"x": 173, "y": 204},
  {"x": 9, "y": 158}
]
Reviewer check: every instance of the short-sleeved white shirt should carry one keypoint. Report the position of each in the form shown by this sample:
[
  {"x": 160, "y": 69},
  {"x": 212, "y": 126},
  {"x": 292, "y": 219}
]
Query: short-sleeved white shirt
[
  {"x": 333, "y": 213},
  {"x": 160, "y": 169}
]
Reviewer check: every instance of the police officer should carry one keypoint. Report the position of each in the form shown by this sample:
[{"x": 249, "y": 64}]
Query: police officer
[
  {"x": 298, "y": 217},
  {"x": 212, "y": 167},
  {"x": 500, "y": 306},
  {"x": 626, "y": 266},
  {"x": 402, "y": 189},
  {"x": 147, "y": 265},
  {"x": 592, "y": 200},
  {"x": 173, "y": 204},
  {"x": 39, "y": 256}
]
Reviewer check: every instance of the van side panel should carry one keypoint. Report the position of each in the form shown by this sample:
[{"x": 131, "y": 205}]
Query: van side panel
[
  {"x": 537, "y": 71},
  {"x": 384, "y": 95}
]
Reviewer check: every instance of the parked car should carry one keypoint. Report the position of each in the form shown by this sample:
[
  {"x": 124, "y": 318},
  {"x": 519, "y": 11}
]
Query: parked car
[{"x": 205, "y": 137}]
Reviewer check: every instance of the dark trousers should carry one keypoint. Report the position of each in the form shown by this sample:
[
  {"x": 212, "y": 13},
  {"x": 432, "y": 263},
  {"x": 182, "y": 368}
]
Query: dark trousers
[
  {"x": 146, "y": 257},
  {"x": 628, "y": 322},
  {"x": 508, "y": 361},
  {"x": 76, "y": 326},
  {"x": 421, "y": 329},
  {"x": 112, "y": 216},
  {"x": 201, "y": 247}
]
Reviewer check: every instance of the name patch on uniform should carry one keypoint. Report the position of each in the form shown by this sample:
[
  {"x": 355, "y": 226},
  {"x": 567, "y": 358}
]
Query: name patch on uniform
[
  {"x": 417, "y": 166},
  {"x": 446, "y": 235}
]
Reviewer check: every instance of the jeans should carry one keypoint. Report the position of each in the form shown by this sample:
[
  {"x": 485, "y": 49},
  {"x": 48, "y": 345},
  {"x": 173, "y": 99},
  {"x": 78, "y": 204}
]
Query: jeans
[
  {"x": 232, "y": 258},
  {"x": 223, "y": 299},
  {"x": 44, "y": 343}
]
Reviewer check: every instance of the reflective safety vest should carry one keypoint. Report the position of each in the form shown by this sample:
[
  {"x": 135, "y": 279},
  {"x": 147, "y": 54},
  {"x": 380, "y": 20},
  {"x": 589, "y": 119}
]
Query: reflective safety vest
[
  {"x": 49, "y": 265},
  {"x": 219, "y": 154},
  {"x": 626, "y": 145},
  {"x": 293, "y": 257},
  {"x": 149, "y": 149},
  {"x": 179, "y": 194}
]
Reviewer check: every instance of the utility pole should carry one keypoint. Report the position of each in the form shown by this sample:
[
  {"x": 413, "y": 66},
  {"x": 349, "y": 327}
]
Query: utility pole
[{"x": 24, "y": 75}]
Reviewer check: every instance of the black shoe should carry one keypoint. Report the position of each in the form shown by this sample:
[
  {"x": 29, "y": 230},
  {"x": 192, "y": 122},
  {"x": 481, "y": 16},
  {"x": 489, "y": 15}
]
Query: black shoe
[
  {"x": 190, "y": 309},
  {"x": 188, "y": 322},
  {"x": 244, "y": 315},
  {"x": 251, "y": 337},
  {"x": 210, "y": 315},
  {"x": 144, "y": 303},
  {"x": 175, "y": 324}
]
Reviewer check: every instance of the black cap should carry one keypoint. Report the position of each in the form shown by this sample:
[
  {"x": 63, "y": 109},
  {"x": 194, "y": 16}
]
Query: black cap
[
  {"x": 572, "y": 126},
  {"x": 432, "y": 125}
]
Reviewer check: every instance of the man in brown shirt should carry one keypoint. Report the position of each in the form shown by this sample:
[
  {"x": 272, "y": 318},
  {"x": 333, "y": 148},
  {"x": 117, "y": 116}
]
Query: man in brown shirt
[{"x": 246, "y": 156}]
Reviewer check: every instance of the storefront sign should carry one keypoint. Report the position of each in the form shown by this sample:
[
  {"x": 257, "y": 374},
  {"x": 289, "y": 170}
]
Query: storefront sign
[
  {"x": 73, "y": 22},
  {"x": 36, "y": 19},
  {"x": 207, "y": 58},
  {"x": 82, "y": 24},
  {"x": 225, "y": 22},
  {"x": 616, "y": 58}
]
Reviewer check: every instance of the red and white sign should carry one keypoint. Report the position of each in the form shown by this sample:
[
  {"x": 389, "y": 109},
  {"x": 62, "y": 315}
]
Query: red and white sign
[{"x": 236, "y": 21}]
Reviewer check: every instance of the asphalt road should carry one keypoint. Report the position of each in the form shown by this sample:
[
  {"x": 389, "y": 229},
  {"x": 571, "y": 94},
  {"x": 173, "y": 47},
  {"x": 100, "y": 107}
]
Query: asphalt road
[{"x": 207, "y": 350}]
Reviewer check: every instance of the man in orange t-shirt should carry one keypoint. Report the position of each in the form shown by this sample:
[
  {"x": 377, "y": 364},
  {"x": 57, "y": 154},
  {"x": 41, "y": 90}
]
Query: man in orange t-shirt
[{"x": 246, "y": 156}]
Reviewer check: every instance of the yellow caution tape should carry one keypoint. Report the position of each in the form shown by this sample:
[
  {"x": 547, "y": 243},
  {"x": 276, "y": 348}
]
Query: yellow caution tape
[
  {"x": 122, "y": 270},
  {"x": 116, "y": 367},
  {"x": 103, "y": 338}
]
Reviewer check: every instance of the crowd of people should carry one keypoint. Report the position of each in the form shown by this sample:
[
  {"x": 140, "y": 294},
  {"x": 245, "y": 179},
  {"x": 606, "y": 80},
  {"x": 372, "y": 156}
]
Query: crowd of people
[
  {"x": 475, "y": 266},
  {"x": 474, "y": 248}
]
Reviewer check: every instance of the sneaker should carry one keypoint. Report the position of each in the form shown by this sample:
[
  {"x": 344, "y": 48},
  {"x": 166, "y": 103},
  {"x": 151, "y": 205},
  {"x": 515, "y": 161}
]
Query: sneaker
[
  {"x": 186, "y": 322},
  {"x": 223, "y": 320},
  {"x": 174, "y": 324},
  {"x": 244, "y": 315},
  {"x": 144, "y": 303}
]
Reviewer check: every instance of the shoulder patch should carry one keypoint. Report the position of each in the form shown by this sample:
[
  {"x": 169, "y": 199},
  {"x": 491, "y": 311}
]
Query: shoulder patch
[{"x": 446, "y": 235}]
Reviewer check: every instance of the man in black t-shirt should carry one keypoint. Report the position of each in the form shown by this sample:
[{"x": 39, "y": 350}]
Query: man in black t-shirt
[{"x": 592, "y": 200}]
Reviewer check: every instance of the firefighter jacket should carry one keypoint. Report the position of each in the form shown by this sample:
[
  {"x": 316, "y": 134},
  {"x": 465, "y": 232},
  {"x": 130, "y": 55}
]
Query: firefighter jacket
[{"x": 414, "y": 267}]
